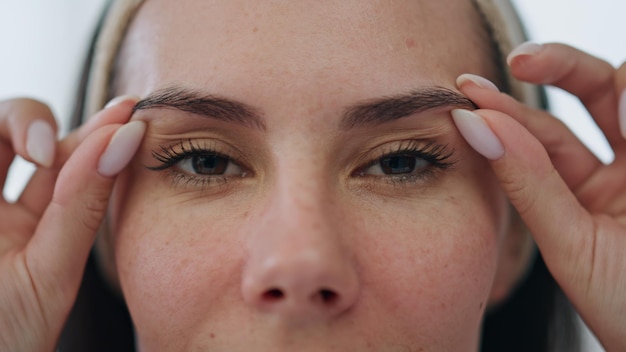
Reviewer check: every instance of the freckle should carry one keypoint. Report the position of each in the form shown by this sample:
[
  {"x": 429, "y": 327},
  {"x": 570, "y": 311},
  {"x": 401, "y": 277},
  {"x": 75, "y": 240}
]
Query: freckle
[{"x": 410, "y": 43}]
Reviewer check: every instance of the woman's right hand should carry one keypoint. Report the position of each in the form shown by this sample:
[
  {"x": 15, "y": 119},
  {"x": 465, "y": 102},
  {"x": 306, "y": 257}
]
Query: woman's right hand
[{"x": 46, "y": 235}]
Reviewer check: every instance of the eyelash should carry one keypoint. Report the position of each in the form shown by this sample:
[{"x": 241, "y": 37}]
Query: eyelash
[
  {"x": 437, "y": 156},
  {"x": 169, "y": 156}
]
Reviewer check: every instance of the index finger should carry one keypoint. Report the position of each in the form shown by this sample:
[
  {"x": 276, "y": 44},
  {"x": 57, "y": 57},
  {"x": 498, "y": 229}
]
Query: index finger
[{"x": 38, "y": 192}]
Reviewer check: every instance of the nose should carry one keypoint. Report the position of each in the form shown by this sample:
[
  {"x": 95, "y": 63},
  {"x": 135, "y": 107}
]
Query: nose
[
  {"x": 298, "y": 270},
  {"x": 300, "y": 286}
]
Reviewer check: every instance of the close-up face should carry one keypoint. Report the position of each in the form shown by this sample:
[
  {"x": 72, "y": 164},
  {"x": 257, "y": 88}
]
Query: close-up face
[{"x": 301, "y": 185}]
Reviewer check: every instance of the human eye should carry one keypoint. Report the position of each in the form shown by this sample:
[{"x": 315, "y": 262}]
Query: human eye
[
  {"x": 407, "y": 161},
  {"x": 198, "y": 163}
]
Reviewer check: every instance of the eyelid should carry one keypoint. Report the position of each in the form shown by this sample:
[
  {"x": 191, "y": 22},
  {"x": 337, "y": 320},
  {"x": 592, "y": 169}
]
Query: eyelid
[
  {"x": 372, "y": 155},
  {"x": 169, "y": 154},
  {"x": 440, "y": 157},
  {"x": 231, "y": 168}
]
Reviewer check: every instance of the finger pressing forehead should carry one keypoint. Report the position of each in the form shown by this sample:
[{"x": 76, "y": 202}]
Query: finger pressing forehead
[
  {"x": 38, "y": 191},
  {"x": 118, "y": 111}
]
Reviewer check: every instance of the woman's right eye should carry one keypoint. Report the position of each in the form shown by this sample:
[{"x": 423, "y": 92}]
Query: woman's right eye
[
  {"x": 198, "y": 163},
  {"x": 209, "y": 165}
]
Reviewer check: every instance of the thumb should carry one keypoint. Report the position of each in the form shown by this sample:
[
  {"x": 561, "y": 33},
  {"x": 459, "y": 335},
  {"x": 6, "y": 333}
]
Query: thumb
[
  {"x": 58, "y": 251},
  {"x": 562, "y": 228}
]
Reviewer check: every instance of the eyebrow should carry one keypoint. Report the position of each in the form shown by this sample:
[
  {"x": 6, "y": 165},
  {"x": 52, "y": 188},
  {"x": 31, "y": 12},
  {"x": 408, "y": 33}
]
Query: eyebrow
[
  {"x": 386, "y": 109},
  {"x": 199, "y": 103},
  {"x": 368, "y": 113}
]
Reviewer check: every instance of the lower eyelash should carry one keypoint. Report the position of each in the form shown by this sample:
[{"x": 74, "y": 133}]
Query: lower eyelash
[{"x": 181, "y": 179}]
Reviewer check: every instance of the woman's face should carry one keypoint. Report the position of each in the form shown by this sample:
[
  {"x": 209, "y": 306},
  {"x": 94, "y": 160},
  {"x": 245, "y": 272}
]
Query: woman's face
[{"x": 301, "y": 186}]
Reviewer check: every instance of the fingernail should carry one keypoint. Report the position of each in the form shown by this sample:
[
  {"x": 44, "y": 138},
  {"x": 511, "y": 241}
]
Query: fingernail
[
  {"x": 528, "y": 48},
  {"x": 478, "y": 134},
  {"x": 622, "y": 113},
  {"x": 477, "y": 80},
  {"x": 120, "y": 99},
  {"x": 41, "y": 143},
  {"x": 121, "y": 148}
]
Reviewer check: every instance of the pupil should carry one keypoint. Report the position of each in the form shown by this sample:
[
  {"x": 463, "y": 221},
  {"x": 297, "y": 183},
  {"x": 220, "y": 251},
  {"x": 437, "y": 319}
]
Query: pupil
[
  {"x": 399, "y": 164},
  {"x": 209, "y": 164}
]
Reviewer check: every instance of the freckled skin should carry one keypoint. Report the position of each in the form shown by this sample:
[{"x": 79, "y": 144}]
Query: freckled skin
[{"x": 423, "y": 256}]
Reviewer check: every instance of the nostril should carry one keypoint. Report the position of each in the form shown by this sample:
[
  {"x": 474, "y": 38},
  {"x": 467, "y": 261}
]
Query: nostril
[
  {"x": 325, "y": 296},
  {"x": 273, "y": 294},
  {"x": 328, "y": 297}
]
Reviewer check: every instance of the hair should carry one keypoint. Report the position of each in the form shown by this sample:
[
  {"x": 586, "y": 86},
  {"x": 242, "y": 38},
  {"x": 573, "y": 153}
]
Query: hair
[{"x": 536, "y": 317}]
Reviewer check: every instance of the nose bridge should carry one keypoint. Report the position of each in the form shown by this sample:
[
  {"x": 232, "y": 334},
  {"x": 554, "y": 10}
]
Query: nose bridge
[
  {"x": 298, "y": 267},
  {"x": 303, "y": 201},
  {"x": 300, "y": 198}
]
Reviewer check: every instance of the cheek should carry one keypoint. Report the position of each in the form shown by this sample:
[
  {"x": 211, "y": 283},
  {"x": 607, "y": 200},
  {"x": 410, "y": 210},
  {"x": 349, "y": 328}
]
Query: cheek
[
  {"x": 438, "y": 256},
  {"x": 177, "y": 261},
  {"x": 435, "y": 259}
]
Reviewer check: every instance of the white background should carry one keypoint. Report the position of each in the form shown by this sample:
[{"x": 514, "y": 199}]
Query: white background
[
  {"x": 42, "y": 44},
  {"x": 43, "y": 41}
]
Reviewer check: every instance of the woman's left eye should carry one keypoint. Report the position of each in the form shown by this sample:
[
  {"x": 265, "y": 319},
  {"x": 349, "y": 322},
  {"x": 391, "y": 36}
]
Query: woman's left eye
[
  {"x": 396, "y": 164},
  {"x": 411, "y": 160},
  {"x": 209, "y": 165}
]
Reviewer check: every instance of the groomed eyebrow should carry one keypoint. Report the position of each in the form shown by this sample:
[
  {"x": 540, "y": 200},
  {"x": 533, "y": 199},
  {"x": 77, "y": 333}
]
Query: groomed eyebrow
[
  {"x": 368, "y": 113},
  {"x": 199, "y": 103},
  {"x": 386, "y": 109}
]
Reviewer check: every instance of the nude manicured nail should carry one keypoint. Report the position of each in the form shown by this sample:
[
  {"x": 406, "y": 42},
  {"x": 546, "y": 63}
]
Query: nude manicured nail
[
  {"x": 478, "y": 134},
  {"x": 120, "y": 99},
  {"x": 477, "y": 80},
  {"x": 121, "y": 148},
  {"x": 41, "y": 143},
  {"x": 528, "y": 48},
  {"x": 622, "y": 113}
]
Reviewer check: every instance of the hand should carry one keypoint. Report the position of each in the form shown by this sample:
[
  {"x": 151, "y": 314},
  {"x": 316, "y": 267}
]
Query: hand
[
  {"x": 46, "y": 235},
  {"x": 574, "y": 206}
]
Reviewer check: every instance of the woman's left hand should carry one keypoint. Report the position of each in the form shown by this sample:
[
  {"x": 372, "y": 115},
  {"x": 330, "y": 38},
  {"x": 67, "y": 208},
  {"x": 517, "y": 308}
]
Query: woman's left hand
[{"x": 574, "y": 206}]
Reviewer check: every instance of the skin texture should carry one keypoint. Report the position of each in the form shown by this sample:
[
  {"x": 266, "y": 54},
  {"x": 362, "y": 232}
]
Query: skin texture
[
  {"x": 411, "y": 264},
  {"x": 304, "y": 245}
]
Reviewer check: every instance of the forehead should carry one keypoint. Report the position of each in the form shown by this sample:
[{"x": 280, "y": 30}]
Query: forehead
[{"x": 361, "y": 46}]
